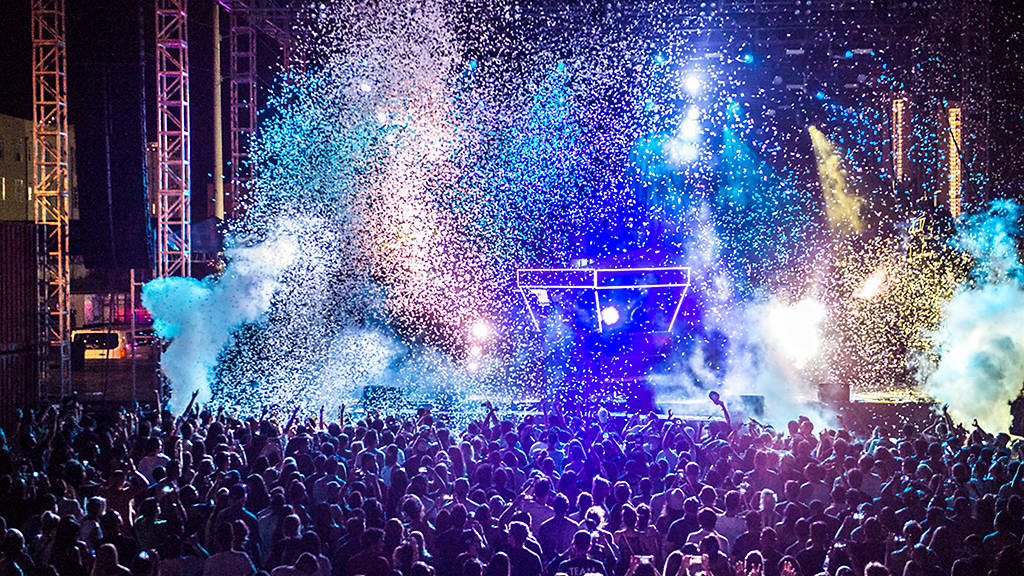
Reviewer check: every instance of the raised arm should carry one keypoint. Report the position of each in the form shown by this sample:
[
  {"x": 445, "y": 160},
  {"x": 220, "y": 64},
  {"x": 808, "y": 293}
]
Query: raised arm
[
  {"x": 491, "y": 415},
  {"x": 291, "y": 421},
  {"x": 718, "y": 402},
  {"x": 188, "y": 409}
]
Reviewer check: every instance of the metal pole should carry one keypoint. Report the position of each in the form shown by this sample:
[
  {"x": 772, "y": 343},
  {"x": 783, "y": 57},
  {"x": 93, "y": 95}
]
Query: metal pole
[
  {"x": 144, "y": 137},
  {"x": 131, "y": 336},
  {"x": 218, "y": 122},
  {"x": 106, "y": 152}
]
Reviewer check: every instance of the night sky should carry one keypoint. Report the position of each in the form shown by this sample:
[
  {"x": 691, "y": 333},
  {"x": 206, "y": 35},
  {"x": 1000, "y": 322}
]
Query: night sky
[{"x": 103, "y": 59}]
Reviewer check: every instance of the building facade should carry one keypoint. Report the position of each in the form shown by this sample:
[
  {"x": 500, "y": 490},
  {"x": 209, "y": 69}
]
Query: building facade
[{"x": 16, "y": 171}]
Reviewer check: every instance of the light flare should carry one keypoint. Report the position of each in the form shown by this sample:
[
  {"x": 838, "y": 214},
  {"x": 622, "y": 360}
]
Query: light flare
[
  {"x": 875, "y": 284},
  {"x": 794, "y": 330}
]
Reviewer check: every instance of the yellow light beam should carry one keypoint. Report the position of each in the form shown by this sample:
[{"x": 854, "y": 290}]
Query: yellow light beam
[{"x": 842, "y": 207}]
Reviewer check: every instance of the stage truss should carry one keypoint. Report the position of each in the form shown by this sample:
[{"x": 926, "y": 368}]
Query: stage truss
[
  {"x": 174, "y": 226},
  {"x": 51, "y": 200}
]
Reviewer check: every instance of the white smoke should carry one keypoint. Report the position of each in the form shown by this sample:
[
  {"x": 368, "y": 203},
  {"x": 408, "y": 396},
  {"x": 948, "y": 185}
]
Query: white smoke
[
  {"x": 777, "y": 350},
  {"x": 981, "y": 339},
  {"x": 774, "y": 346},
  {"x": 199, "y": 316}
]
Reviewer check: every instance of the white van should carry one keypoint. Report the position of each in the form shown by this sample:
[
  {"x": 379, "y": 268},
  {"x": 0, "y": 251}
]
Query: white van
[{"x": 113, "y": 342}]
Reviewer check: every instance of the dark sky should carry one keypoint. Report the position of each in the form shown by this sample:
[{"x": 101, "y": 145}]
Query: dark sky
[{"x": 103, "y": 59}]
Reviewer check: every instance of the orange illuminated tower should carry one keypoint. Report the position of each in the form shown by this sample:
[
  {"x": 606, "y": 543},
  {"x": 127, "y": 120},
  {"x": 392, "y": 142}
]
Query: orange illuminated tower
[
  {"x": 899, "y": 137},
  {"x": 954, "y": 164},
  {"x": 50, "y": 174}
]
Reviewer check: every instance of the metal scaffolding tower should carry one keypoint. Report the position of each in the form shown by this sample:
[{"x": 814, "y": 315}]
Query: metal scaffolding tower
[
  {"x": 50, "y": 173},
  {"x": 242, "y": 56},
  {"x": 247, "y": 19},
  {"x": 174, "y": 251}
]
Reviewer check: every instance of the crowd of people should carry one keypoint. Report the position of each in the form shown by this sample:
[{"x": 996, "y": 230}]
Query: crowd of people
[{"x": 575, "y": 494}]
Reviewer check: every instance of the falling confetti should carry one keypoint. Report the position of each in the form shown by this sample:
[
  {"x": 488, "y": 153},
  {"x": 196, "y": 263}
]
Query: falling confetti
[{"x": 419, "y": 153}]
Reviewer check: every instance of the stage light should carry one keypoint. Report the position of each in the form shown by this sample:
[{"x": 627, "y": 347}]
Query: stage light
[
  {"x": 481, "y": 330},
  {"x": 819, "y": 95},
  {"x": 692, "y": 84},
  {"x": 794, "y": 329},
  {"x": 849, "y": 54},
  {"x": 693, "y": 113},
  {"x": 876, "y": 283},
  {"x": 689, "y": 129},
  {"x": 747, "y": 58},
  {"x": 475, "y": 350},
  {"x": 842, "y": 204},
  {"x": 473, "y": 366},
  {"x": 680, "y": 152},
  {"x": 610, "y": 316},
  {"x": 542, "y": 296}
]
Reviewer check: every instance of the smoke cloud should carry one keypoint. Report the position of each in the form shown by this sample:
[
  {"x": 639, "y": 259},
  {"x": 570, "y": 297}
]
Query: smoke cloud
[
  {"x": 199, "y": 316},
  {"x": 980, "y": 341},
  {"x": 772, "y": 344}
]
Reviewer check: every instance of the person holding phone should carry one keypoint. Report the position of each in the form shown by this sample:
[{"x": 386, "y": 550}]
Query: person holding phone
[
  {"x": 716, "y": 562},
  {"x": 642, "y": 565}
]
